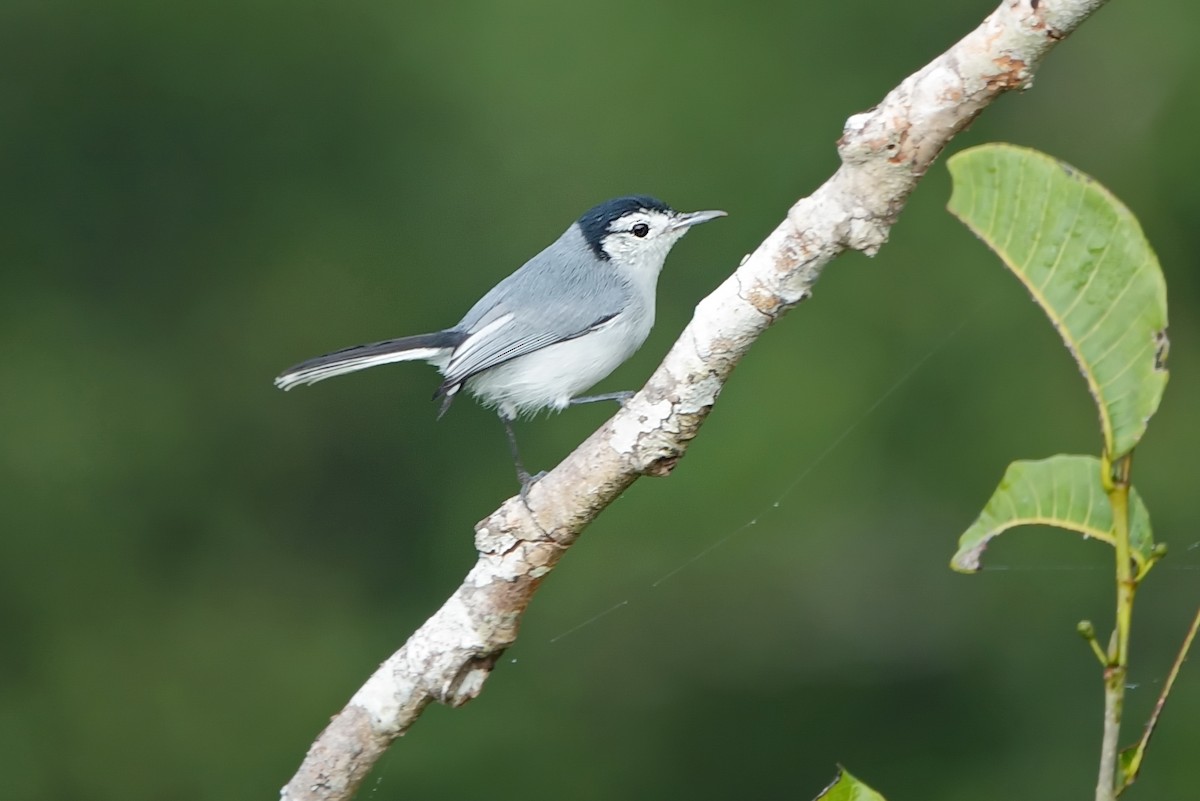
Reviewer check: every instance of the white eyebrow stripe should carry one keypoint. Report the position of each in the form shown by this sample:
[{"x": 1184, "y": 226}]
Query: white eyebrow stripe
[{"x": 481, "y": 336}]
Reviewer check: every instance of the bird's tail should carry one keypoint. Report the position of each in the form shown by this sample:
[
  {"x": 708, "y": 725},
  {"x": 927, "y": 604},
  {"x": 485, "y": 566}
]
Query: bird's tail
[{"x": 360, "y": 357}]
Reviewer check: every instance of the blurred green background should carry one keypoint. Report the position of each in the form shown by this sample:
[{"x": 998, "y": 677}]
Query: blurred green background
[{"x": 197, "y": 570}]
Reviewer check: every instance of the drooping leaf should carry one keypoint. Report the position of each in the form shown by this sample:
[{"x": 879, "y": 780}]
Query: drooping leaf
[
  {"x": 1064, "y": 491},
  {"x": 847, "y": 788},
  {"x": 1085, "y": 260}
]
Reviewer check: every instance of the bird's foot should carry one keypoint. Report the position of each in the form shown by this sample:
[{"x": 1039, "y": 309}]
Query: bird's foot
[
  {"x": 527, "y": 482},
  {"x": 620, "y": 397}
]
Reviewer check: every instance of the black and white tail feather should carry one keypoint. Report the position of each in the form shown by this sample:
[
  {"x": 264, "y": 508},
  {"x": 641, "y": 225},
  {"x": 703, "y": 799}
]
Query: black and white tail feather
[{"x": 427, "y": 347}]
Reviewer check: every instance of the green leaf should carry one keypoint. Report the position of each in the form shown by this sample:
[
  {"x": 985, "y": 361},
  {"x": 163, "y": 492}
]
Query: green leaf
[
  {"x": 1085, "y": 260},
  {"x": 1063, "y": 491},
  {"x": 847, "y": 788}
]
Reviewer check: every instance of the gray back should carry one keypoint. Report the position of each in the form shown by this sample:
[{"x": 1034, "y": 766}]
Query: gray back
[{"x": 559, "y": 294}]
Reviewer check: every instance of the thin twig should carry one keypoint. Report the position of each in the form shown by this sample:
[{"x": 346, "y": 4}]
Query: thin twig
[
  {"x": 1131, "y": 766},
  {"x": 1114, "y": 702}
]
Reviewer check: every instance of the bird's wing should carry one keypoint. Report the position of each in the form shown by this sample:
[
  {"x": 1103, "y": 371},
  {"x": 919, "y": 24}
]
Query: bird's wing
[{"x": 540, "y": 304}]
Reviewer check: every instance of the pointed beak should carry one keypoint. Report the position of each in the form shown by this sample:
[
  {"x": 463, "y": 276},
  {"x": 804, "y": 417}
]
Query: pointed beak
[{"x": 686, "y": 221}]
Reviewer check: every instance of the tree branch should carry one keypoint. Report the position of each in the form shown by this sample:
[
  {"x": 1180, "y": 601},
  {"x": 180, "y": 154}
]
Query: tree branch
[{"x": 884, "y": 151}]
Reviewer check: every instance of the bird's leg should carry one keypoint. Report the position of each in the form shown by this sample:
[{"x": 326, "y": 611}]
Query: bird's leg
[
  {"x": 522, "y": 474},
  {"x": 619, "y": 397}
]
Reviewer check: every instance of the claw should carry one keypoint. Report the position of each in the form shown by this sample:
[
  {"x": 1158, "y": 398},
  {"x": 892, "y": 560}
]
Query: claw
[{"x": 620, "y": 397}]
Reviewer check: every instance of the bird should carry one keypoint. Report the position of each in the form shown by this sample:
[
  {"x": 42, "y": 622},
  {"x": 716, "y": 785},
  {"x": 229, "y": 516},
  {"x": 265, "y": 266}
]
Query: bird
[{"x": 549, "y": 331}]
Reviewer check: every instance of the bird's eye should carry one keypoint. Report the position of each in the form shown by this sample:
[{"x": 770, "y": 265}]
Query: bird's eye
[{"x": 640, "y": 230}]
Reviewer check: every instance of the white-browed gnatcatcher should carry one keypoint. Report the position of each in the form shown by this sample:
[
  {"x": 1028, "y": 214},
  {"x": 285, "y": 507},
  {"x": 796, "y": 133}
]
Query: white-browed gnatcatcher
[{"x": 552, "y": 329}]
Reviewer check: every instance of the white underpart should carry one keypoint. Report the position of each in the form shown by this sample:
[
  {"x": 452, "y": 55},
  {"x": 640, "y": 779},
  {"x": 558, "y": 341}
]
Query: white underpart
[{"x": 551, "y": 376}]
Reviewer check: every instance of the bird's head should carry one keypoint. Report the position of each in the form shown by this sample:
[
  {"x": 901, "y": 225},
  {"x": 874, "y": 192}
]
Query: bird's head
[{"x": 637, "y": 231}]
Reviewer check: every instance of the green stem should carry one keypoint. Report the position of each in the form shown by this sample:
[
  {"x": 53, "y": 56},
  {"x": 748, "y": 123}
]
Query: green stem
[
  {"x": 1116, "y": 484},
  {"x": 1126, "y": 583},
  {"x": 1088, "y": 632}
]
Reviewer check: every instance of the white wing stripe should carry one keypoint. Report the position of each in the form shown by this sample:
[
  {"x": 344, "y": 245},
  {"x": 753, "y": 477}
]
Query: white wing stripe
[{"x": 477, "y": 340}]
